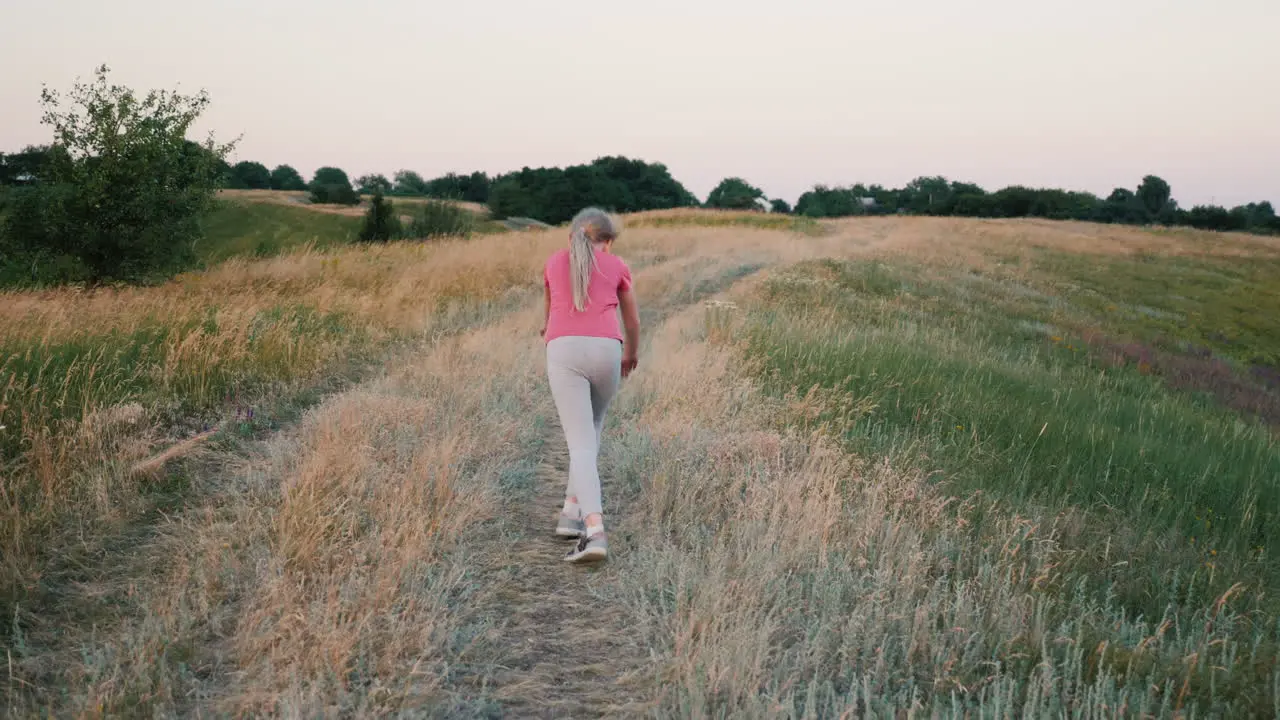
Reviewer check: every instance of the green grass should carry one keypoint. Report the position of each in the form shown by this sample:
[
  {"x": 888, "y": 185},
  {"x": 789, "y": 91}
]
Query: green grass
[
  {"x": 1229, "y": 305},
  {"x": 238, "y": 228},
  {"x": 1163, "y": 500}
]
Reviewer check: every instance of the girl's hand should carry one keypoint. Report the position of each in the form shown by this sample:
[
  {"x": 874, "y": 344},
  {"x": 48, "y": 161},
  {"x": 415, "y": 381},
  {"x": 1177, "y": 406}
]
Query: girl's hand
[{"x": 629, "y": 362}]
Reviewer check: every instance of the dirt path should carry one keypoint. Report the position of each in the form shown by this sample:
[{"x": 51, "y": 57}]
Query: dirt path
[
  {"x": 560, "y": 652},
  {"x": 556, "y": 647}
]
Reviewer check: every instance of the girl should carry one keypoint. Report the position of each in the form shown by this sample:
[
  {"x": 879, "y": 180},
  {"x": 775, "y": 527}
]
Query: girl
[{"x": 585, "y": 285}]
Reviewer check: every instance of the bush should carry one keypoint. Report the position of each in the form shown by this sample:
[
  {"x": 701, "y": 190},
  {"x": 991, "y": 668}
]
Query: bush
[
  {"x": 284, "y": 177},
  {"x": 441, "y": 219},
  {"x": 249, "y": 175},
  {"x": 380, "y": 221},
  {"x": 408, "y": 182},
  {"x": 373, "y": 184},
  {"x": 122, "y": 193},
  {"x": 734, "y": 194},
  {"x": 331, "y": 186}
]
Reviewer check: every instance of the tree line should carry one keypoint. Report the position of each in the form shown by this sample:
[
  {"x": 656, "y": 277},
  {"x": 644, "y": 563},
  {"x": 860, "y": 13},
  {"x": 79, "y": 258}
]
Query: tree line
[
  {"x": 1150, "y": 203},
  {"x": 554, "y": 194},
  {"x": 120, "y": 192},
  {"x": 551, "y": 195}
]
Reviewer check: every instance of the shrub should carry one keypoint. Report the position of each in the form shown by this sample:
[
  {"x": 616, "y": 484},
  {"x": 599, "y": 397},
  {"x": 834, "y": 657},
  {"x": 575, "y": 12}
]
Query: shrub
[
  {"x": 332, "y": 186},
  {"x": 408, "y": 182},
  {"x": 373, "y": 184},
  {"x": 284, "y": 177},
  {"x": 734, "y": 194},
  {"x": 441, "y": 219},
  {"x": 249, "y": 175},
  {"x": 380, "y": 221}
]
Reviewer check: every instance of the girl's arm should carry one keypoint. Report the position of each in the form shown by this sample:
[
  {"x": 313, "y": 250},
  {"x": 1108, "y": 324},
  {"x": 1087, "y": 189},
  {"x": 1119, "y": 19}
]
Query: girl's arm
[
  {"x": 546, "y": 309},
  {"x": 631, "y": 323}
]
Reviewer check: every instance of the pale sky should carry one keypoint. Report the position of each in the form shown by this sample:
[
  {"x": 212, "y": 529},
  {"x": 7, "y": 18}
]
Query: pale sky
[{"x": 1077, "y": 94}]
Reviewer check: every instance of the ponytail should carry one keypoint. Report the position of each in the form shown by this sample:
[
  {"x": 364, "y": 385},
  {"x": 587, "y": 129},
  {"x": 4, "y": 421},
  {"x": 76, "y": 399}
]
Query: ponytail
[
  {"x": 582, "y": 260},
  {"x": 589, "y": 227}
]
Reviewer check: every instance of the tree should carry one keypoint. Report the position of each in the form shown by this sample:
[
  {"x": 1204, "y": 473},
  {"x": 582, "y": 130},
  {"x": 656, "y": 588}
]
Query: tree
[
  {"x": 971, "y": 204},
  {"x": 380, "y": 222},
  {"x": 125, "y": 189},
  {"x": 643, "y": 186},
  {"x": 330, "y": 185},
  {"x": 372, "y": 184},
  {"x": 927, "y": 196},
  {"x": 734, "y": 194},
  {"x": 1012, "y": 202},
  {"x": 1122, "y": 206},
  {"x": 476, "y": 188},
  {"x": 30, "y": 162},
  {"x": 1153, "y": 194},
  {"x": 1209, "y": 217},
  {"x": 408, "y": 182},
  {"x": 779, "y": 205},
  {"x": 250, "y": 176},
  {"x": 823, "y": 201},
  {"x": 1259, "y": 217},
  {"x": 284, "y": 177}
]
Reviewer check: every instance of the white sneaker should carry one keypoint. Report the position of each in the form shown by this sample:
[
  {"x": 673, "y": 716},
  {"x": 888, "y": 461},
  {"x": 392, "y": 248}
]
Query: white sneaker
[
  {"x": 569, "y": 527},
  {"x": 589, "y": 549}
]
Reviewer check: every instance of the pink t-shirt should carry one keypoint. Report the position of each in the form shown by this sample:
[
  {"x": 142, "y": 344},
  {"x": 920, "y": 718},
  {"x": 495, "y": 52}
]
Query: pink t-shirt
[{"x": 600, "y": 318}]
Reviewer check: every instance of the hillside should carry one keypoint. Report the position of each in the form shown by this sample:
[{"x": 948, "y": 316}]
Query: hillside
[
  {"x": 290, "y": 198},
  {"x": 864, "y": 466}
]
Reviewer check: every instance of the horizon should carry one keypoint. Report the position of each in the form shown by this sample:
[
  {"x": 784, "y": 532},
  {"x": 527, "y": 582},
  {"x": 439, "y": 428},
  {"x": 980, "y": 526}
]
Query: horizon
[{"x": 786, "y": 99}]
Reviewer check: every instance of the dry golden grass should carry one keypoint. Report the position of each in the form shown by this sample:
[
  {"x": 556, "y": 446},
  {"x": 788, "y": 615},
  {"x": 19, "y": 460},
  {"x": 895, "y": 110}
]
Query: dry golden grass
[
  {"x": 389, "y": 554},
  {"x": 72, "y": 375},
  {"x": 978, "y": 243}
]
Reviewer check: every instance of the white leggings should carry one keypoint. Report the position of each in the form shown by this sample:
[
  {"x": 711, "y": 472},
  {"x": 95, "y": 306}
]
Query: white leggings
[{"x": 584, "y": 373}]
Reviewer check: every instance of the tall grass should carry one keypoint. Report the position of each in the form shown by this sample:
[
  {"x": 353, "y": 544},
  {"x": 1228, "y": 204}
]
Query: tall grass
[
  {"x": 774, "y": 553},
  {"x": 94, "y": 383},
  {"x": 1152, "y": 506},
  {"x": 770, "y": 574},
  {"x": 271, "y": 572}
]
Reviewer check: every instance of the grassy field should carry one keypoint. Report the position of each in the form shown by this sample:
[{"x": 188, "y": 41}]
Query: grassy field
[
  {"x": 932, "y": 467},
  {"x": 242, "y": 228},
  {"x": 1158, "y": 509},
  {"x": 301, "y": 198}
]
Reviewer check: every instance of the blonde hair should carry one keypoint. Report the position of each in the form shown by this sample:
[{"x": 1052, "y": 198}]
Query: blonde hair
[{"x": 590, "y": 226}]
